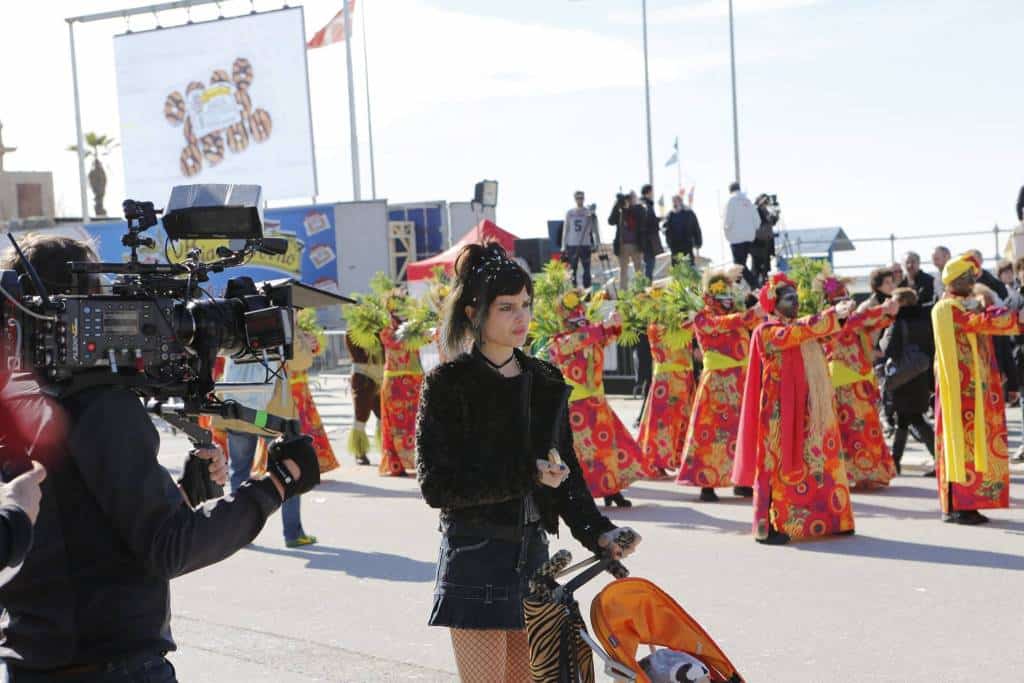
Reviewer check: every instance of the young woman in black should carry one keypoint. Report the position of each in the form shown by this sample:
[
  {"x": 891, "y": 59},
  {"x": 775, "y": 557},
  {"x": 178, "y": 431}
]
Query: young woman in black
[{"x": 486, "y": 424}]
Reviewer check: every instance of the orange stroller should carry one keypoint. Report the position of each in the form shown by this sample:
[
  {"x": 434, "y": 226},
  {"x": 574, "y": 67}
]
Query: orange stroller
[
  {"x": 628, "y": 613},
  {"x": 632, "y": 612}
]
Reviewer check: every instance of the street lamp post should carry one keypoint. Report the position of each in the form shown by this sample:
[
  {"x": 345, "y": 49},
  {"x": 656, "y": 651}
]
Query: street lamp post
[
  {"x": 647, "y": 99},
  {"x": 735, "y": 118}
]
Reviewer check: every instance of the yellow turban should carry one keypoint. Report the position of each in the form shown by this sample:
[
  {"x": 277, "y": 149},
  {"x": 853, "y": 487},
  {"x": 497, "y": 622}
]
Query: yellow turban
[{"x": 956, "y": 267}]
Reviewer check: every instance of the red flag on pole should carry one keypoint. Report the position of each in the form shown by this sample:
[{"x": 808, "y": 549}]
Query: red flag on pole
[{"x": 334, "y": 31}]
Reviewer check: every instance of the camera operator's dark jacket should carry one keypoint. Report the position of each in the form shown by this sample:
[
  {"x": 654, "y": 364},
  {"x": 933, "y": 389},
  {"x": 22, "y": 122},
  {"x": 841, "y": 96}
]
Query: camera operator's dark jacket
[
  {"x": 620, "y": 218},
  {"x": 651, "y": 235},
  {"x": 476, "y": 450},
  {"x": 682, "y": 231},
  {"x": 113, "y": 529}
]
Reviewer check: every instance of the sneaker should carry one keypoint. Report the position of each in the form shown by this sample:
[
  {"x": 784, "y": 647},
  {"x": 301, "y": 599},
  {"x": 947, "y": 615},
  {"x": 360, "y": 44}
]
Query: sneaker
[
  {"x": 743, "y": 491},
  {"x": 362, "y": 460},
  {"x": 305, "y": 539},
  {"x": 618, "y": 499}
]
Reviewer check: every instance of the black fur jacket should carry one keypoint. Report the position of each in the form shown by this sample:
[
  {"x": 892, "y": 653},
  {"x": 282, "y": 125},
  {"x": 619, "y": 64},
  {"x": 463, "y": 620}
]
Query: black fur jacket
[{"x": 478, "y": 438}]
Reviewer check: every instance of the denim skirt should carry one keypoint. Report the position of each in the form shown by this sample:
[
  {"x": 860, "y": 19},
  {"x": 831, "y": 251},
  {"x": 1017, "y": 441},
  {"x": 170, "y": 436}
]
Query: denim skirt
[{"x": 478, "y": 585}]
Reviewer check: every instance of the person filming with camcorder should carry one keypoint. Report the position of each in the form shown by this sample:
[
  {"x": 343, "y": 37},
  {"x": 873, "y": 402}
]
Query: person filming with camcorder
[{"x": 91, "y": 602}]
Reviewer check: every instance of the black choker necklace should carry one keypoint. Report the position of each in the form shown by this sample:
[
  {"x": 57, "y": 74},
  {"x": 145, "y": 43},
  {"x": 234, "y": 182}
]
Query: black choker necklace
[{"x": 496, "y": 366}]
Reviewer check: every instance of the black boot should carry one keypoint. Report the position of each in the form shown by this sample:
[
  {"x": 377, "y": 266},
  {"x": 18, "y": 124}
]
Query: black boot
[
  {"x": 899, "y": 443},
  {"x": 708, "y": 495},
  {"x": 362, "y": 460},
  {"x": 618, "y": 499},
  {"x": 774, "y": 538},
  {"x": 965, "y": 517},
  {"x": 743, "y": 491}
]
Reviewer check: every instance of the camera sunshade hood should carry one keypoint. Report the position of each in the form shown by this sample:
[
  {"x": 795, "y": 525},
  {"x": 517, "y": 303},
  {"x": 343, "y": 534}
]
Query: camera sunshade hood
[{"x": 213, "y": 211}]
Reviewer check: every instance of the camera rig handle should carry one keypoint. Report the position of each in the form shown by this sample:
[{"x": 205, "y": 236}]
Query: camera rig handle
[{"x": 195, "y": 479}]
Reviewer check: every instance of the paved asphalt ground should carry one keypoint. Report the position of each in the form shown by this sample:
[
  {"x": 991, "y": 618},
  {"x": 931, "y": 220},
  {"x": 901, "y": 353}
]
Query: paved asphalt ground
[{"x": 906, "y": 599}]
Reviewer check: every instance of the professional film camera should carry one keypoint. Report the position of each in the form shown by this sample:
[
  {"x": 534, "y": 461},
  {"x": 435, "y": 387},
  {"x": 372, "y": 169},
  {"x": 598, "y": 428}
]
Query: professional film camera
[
  {"x": 768, "y": 209},
  {"x": 157, "y": 331}
]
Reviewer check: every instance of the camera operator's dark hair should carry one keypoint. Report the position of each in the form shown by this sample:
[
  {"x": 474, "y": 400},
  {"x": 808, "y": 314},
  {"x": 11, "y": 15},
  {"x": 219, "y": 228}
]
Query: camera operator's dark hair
[
  {"x": 734, "y": 187},
  {"x": 49, "y": 255},
  {"x": 877, "y": 277},
  {"x": 482, "y": 274},
  {"x": 645, "y": 189}
]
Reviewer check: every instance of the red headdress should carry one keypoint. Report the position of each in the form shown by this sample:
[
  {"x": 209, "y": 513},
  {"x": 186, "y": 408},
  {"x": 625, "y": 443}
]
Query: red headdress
[{"x": 768, "y": 294}]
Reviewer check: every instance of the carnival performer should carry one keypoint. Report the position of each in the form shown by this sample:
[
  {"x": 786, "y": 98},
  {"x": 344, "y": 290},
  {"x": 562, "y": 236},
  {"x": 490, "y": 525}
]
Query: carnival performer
[
  {"x": 495, "y": 455},
  {"x": 670, "y": 397},
  {"x": 364, "y": 383},
  {"x": 723, "y": 333},
  {"x": 789, "y": 441},
  {"x": 365, "y": 320},
  {"x": 403, "y": 375},
  {"x": 868, "y": 461},
  {"x": 609, "y": 455},
  {"x": 970, "y": 416}
]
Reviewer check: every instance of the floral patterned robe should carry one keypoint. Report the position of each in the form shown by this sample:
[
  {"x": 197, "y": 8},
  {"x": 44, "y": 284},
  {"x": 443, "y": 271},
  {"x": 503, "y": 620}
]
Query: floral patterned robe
[
  {"x": 710, "y": 444},
  {"x": 813, "y": 500},
  {"x": 399, "y": 401},
  {"x": 663, "y": 428},
  {"x": 990, "y": 489},
  {"x": 610, "y": 457},
  {"x": 866, "y": 455}
]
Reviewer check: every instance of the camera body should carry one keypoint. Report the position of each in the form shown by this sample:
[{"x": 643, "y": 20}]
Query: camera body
[
  {"x": 156, "y": 331},
  {"x": 768, "y": 208}
]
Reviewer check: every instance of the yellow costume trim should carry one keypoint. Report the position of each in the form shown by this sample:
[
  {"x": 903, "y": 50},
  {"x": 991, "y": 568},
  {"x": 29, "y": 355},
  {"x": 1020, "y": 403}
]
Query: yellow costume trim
[
  {"x": 374, "y": 371},
  {"x": 947, "y": 371},
  {"x": 580, "y": 392},
  {"x": 842, "y": 374},
  {"x": 667, "y": 367},
  {"x": 402, "y": 373},
  {"x": 713, "y": 360}
]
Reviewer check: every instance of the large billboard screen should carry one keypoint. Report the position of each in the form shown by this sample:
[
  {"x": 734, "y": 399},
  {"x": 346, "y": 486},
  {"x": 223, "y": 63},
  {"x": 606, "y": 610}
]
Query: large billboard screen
[{"x": 223, "y": 101}]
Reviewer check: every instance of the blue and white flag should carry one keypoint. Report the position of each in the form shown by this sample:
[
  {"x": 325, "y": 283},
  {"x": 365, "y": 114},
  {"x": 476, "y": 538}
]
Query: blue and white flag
[{"x": 675, "y": 154}]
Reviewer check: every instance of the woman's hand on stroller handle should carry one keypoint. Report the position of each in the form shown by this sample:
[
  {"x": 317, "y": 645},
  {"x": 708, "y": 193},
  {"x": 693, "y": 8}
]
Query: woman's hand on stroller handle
[{"x": 620, "y": 542}]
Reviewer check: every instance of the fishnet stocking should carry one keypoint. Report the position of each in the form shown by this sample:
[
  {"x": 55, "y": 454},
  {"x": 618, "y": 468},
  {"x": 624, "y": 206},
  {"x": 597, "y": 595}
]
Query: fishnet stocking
[{"x": 491, "y": 656}]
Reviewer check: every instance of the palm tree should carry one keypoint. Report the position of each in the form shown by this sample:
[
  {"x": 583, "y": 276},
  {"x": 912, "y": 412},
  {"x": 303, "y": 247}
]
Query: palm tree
[{"x": 97, "y": 146}]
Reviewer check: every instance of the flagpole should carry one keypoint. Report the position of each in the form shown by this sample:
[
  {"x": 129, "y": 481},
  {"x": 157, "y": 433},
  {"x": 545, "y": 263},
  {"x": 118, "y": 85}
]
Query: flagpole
[
  {"x": 369, "y": 118},
  {"x": 354, "y": 141}
]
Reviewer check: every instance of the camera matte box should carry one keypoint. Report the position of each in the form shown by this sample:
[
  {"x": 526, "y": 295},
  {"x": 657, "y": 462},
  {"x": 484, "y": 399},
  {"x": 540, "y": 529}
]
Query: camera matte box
[{"x": 214, "y": 211}]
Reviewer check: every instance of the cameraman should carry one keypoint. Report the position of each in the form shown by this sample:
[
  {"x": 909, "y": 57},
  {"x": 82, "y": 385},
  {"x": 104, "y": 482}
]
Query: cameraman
[
  {"x": 628, "y": 218},
  {"x": 92, "y": 601},
  {"x": 763, "y": 248}
]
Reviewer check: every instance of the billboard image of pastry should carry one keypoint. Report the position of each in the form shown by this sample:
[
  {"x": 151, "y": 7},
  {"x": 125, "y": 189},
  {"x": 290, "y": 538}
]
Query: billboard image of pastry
[{"x": 224, "y": 101}]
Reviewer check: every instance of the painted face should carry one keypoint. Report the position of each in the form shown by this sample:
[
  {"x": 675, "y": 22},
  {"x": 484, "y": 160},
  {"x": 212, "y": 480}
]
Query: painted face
[
  {"x": 788, "y": 302},
  {"x": 508, "y": 320},
  {"x": 725, "y": 301},
  {"x": 963, "y": 285}
]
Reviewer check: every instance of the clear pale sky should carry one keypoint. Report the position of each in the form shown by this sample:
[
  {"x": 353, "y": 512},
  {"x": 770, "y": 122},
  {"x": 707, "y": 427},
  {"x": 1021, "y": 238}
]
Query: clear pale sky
[{"x": 901, "y": 116}]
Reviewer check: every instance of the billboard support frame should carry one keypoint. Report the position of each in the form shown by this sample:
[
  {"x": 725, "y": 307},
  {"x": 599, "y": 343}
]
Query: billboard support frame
[
  {"x": 125, "y": 14},
  {"x": 103, "y": 16}
]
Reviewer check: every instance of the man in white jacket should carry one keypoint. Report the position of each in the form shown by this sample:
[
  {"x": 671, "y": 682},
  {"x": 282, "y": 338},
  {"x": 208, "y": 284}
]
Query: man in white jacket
[{"x": 740, "y": 226}]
